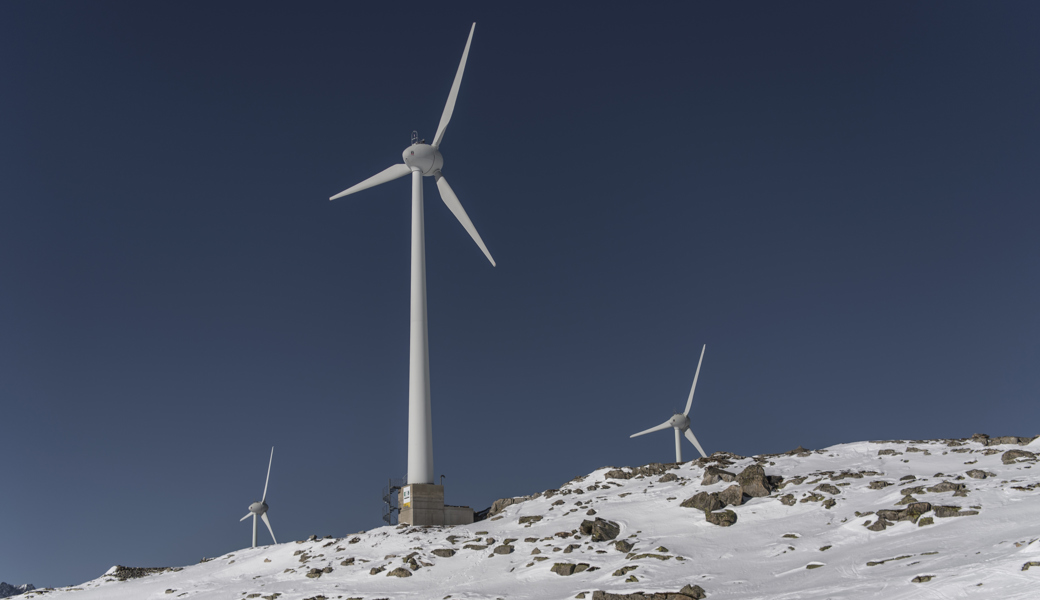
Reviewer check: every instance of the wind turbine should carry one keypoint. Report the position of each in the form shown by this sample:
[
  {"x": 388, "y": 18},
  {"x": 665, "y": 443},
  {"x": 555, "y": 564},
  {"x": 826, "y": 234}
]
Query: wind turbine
[
  {"x": 259, "y": 509},
  {"x": 681, "y": 422},
  {"x": 423, "y": 160}
]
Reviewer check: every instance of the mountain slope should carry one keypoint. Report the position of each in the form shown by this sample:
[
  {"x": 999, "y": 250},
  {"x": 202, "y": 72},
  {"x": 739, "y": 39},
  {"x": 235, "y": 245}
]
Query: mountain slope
[{"x": 808, "y": 539}]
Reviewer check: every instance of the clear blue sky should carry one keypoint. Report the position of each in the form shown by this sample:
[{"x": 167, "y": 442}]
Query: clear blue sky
[{"x": 839, "y": 200}]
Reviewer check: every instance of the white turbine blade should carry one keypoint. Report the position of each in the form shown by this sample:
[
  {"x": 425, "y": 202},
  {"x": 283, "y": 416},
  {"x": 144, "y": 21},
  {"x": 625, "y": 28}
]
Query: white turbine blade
[
  {"x": 453, "y": 204},
  {"x": 693, "y": 440},
  {"x": 678, "y": 447},
  {"x": 268, "y": 474},
  {"x": 268, "y": 523},
  {"x": 689, "y": 401},
  {"x": 384, "y": 176},
  {"x": 453, "y": 94},
  {"x": 664, "y": 425},
  {"x": 248, "y": 514}
]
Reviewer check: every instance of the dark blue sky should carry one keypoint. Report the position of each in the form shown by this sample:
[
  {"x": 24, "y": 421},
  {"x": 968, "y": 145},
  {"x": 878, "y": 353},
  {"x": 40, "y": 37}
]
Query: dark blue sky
[{"x": 840, "y": 201}]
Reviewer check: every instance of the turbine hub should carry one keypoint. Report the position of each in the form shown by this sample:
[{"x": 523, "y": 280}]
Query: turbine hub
[
  {"x": 424, "y": 158},
  {"x": 258, "y": 508},
  {"x": 679, "y": 421}
]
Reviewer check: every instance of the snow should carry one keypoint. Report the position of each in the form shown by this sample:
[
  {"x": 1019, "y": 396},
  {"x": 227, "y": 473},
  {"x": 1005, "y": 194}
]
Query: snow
[{"x": 773, "y": 551}]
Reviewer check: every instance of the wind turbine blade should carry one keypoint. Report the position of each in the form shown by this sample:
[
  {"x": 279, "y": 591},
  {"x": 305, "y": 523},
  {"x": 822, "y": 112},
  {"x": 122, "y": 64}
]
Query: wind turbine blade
[
  {"x": 453, "y": 204},
  {"x": 453, "y": 94},
  {"x": 268, "y": 523},
  {"x": 693, "y": 440},
  {"x": 384, "y": 176},
  {"x": 664, "y": 425},
  {"x": 678, "y": 447},
  {"x": 689, "y": 401},
  {"x": 248, "y": 514},
  {"x": 269, "y": 461}
]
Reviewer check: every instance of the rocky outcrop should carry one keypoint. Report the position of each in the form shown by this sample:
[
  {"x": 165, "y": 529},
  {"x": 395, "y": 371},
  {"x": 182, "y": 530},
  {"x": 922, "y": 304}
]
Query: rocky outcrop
[
  {"x": 499, "y": 505},
  {"x": 1012, "y": 456},
  {"x": 601, "y": 530},
  {"x": 689, "y": 592},
  {"x": 707, "y": 501},
  {"x": 753, "y": 482},
  {"x": 713, "y": 475},
  {"x": 123, "y": 573},
  {"x": 566, "y": 569},
  {"x": 723, "y": 518},
  {"x": 650, "y": 470},
  {"x": 731, "y": 496}
]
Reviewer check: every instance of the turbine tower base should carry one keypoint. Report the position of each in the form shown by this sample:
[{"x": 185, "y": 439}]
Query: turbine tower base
[{"x": 423, "y": 504}]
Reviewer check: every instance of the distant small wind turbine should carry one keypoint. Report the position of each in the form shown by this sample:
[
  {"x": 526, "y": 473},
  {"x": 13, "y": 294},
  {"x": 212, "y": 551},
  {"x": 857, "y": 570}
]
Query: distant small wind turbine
[
  {"x": 681, "y": 422},
  {"x": 424, "y": 160},
  {"x": 259, "y": 509}
]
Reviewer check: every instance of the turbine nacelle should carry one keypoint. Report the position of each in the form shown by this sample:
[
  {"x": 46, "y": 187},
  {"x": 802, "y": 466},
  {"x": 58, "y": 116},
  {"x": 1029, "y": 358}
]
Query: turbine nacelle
[
  {"x": 423, "y": 158},
  {"x": 679, "y": 421},
  {"x": 258, "y": 508}
]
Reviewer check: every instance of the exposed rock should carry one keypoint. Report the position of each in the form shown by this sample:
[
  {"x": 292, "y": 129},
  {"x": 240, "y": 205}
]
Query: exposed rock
[
  {"x": 788, "y": 499},
  {"x": 886, "y": 451},
  {"x": 314, "y": 573},
  {"x": 826, "y": 487},
  {"x": 1012, "y": 456},
  {"x": 953, "y": 511},
  {"x": 714, "y": 475},
  {"x": 499, "y": 505},
  {"x": 123, "y": 573},
  {"x": 443, "y": 552},
  {"x": 689, "y": 592},
  {"x": 799, "y": 451},
  {"x": 910, "y": 513},
  {"x": 399, "y": 572},
  {"x": 624, "y": 571},
  {"x": 668, "y": 477},
  {"x": 731, "y": 496},
  {"x": 978, "y": 474},
  {"x": 601, "y": 530},
  {"x": 703, "y": 501},
  {"x": 623, "y": 546},
  {"x": 723, "y": 518},
  {"x": 753, "y": 481},
  {"x": 1032, "y": 563},
  {"x": 878, "y": 484},
  {"x": 925, "y": 521},
  {"x": 568, "y": 568},
  {"x": 913, "y": 490},
  {"x": 880, "y": 524},
  {"x": 503, "y": 549},
  {"x": 947, "y": 486},
  {"x": 530, "y": 519},
  {"x": 922, "y": 579}
]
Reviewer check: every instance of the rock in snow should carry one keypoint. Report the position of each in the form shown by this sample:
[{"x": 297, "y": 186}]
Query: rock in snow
[{"x": 760, "y": 537}]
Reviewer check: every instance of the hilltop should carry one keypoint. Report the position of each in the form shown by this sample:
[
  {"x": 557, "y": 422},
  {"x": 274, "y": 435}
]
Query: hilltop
[{"x": 896, "y": 518}]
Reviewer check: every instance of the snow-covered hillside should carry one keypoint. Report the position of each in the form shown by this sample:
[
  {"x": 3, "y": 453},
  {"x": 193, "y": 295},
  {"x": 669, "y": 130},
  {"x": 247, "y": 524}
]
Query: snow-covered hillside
[{"x": 817, "y": 535}]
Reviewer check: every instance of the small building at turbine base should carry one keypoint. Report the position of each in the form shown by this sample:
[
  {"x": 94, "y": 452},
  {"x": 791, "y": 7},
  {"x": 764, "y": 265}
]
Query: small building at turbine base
[{"x": 423, "y": 504}]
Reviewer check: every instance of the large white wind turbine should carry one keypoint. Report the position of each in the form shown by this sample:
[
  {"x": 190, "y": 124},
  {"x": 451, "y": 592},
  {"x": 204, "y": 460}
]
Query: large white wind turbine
[
  {"x": 259, "y": 509},
  {"x": 422, "y": 159},
  {"x": 681, "y": 422}
]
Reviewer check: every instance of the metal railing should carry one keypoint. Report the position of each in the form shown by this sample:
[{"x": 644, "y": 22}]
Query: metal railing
[{"x": 390, "y": 507}]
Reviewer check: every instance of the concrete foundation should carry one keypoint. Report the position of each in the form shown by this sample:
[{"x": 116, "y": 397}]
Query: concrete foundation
[{"x": 423, "y": 504}]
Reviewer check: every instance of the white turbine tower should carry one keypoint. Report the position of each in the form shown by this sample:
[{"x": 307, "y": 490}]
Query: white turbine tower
[
  {"x": 259, "y": 509},
  {"x": 421, "y": 159},
  {"x": 681, "y": 422}
]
